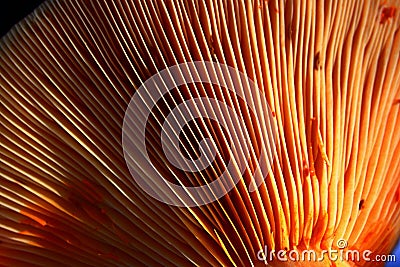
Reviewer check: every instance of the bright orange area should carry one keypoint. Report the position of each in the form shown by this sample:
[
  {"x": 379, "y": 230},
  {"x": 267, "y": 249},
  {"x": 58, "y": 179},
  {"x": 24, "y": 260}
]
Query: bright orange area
[{"x": 33, "y": 217}]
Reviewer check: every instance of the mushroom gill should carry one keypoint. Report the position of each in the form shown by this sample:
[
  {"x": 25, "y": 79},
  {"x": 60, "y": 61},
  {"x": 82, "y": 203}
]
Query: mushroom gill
[{"x": 328, "y": 70}]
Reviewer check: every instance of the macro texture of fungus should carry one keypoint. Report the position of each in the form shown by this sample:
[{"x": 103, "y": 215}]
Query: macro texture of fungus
[{"x": 328, "y": 73}]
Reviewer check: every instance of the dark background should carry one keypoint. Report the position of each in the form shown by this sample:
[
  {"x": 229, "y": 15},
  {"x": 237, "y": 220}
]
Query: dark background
[{"x": 12, "y": 11}]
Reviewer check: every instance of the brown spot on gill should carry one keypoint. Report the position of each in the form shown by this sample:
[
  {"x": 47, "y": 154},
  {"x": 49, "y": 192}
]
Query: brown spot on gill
[
  {"x": 310, "y": 151},
  {"x": 306, "y": 170},
  {"x": 397, "y": 196},
  {"x": 322, "y": 148},
  {"x": 361, "y": 204},
  {"x": 387, "y": 13},
  {"x": 212, "y": 49},
  {"x": 320, "y": 142},
  {"x": 317, "y": 61}
]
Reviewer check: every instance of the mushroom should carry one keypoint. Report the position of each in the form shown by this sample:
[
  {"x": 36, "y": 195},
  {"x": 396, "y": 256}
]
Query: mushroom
[{"x": 327, "y": 80}]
